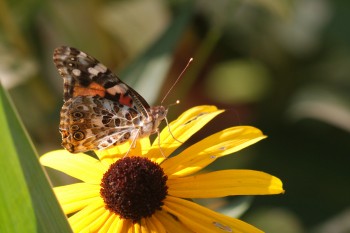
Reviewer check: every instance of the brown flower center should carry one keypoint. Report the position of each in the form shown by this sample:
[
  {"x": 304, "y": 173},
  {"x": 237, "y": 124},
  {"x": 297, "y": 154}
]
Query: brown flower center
[{"x": 134, "y": 188}]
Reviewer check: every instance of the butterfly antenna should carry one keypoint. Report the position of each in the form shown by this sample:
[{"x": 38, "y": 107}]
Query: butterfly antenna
[
  {"x": 176, "y": 103},
  {"x": 178, "y": 78}
]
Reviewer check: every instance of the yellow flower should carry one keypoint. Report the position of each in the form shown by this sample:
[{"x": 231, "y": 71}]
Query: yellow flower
[{"x": 147, "y": 192}]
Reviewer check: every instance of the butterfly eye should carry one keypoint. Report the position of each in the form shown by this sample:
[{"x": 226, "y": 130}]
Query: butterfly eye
[{"x": 78, "y": 135}]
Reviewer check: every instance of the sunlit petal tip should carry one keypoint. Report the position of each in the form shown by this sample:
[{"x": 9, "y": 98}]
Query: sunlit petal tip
[{"x": 276, "y": 186}]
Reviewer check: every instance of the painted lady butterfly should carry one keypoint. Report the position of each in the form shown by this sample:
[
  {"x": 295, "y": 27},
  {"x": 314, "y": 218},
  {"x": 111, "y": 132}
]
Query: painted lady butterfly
[{"x": 100, "y": 110}]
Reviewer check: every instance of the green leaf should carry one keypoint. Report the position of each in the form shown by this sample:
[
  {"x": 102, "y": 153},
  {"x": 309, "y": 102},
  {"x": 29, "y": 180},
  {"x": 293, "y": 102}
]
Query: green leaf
[{"x": 27, "y": 202}]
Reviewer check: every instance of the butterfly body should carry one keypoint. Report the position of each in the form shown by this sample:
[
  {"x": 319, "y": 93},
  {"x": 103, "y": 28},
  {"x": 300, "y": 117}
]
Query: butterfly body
[{"x": 99, "y": 109}]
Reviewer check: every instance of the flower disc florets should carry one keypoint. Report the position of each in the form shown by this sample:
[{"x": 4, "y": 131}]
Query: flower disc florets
[{"x": 134, "y": 188}]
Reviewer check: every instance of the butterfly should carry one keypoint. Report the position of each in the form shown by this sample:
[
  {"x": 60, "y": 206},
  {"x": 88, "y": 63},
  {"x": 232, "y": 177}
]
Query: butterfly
[{"x": 99, "y": 110}]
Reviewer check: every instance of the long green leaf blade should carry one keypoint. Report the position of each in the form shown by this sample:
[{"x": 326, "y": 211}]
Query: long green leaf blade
[{"x": 27, "y": 203}]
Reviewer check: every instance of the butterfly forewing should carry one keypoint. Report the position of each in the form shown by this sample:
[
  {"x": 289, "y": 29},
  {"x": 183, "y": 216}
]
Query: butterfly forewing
[{"x": 100, "y": 110}]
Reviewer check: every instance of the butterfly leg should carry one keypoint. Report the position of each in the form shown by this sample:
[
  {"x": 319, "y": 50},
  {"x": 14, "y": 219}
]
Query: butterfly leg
[
  {"x": 133, "y": 143},
  {"x": 167, "y": 123},
  {"x": 160, "y": 148}
]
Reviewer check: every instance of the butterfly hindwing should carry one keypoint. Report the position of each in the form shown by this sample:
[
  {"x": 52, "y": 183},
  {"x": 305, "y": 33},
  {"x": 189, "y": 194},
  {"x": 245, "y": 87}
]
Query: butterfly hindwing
[{"x": 92, "y": 122}]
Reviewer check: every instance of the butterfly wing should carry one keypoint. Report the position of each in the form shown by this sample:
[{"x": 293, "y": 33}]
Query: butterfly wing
[
  {"x": 83, "y": 75},
  {"x": 92, "y": 122},
  {"x": 99, "y": 110}
]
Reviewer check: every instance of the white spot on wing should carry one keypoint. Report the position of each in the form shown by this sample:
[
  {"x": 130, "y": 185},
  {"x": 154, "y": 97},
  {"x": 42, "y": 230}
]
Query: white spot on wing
[
  {"x": 93, "y": 71},
  {"x": 100, "y": 68},
  {"x": 120, "y": 88},
  {"x": 82, "y": 54},
  {"x": 76, "y": 72}
]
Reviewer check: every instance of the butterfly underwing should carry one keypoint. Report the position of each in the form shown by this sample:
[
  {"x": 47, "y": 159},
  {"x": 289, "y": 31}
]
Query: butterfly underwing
[{"x": 99, "y": 110}]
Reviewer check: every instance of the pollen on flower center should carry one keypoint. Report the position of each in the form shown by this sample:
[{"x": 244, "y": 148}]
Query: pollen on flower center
[{"x": 134, "y": 188}]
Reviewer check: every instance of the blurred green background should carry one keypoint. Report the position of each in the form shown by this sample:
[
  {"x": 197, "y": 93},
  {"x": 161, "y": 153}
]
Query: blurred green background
[{"x": 282, "y": 66}]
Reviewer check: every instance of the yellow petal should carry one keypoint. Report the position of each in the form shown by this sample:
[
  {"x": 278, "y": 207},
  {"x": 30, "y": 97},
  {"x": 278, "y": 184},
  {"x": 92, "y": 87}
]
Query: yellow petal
[
  {"x": 121, "y": 226},
  {"x": 225, "y": 183},
  {"x": 154, "y": 225},
  {"x": 145, "y": 145},
  {"x": 171, "y": 223},
  {"x": 101, "y": 218},
  {"x": 209, "y": 149},
  {"x": 108, "y": 224},
  {"x": 137, "y": 228},
  {"x": 181, "y": 129},
  {"x": 80, "y": 166},
  {"x": 75, "y": 197},
  {"x": 114, "y": 152},
  {"x": 111, "y": 155},
  {"x": 108, "y": 156},
  {"x": 82, "y": 219},
  {"x": 201, "y": 219},
  {"x": 143, "y": 227}
]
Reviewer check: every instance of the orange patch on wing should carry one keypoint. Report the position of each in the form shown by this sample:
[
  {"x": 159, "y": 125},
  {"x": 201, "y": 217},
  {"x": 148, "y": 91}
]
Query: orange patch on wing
[
  {"x": 92, "y": 90},
  {"x": 125, "y": 100}
]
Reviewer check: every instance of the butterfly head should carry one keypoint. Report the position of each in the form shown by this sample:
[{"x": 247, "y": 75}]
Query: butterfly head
[{"x": 158, "y": 113}]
